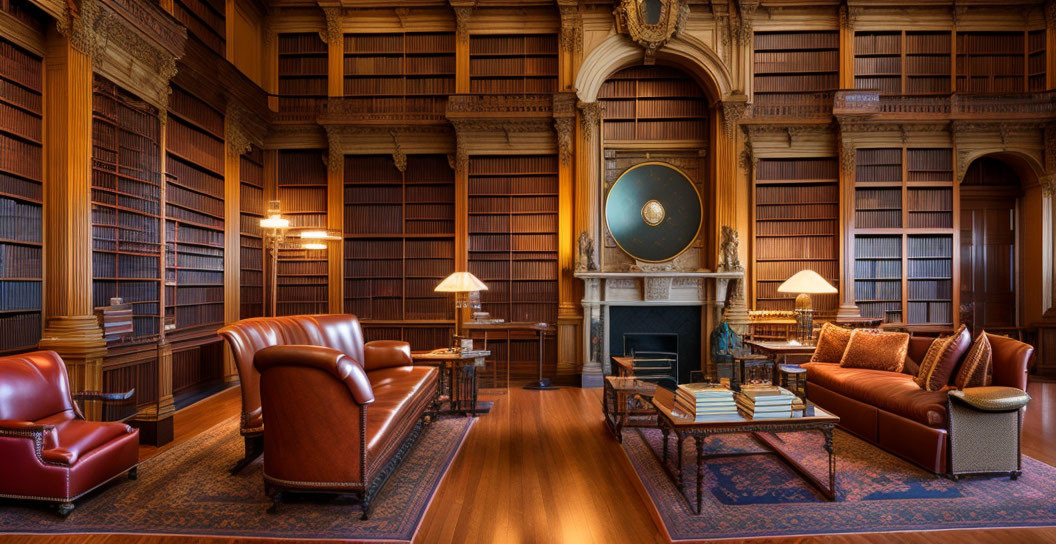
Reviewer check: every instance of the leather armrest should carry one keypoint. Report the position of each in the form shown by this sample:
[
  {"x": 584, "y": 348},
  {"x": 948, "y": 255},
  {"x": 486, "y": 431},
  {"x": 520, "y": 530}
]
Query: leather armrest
[
  {"x": 386, "y": 354},
  {"x": 341, "y": 366},
  {"x": 23, "y": 427},
  {"x": 992, "y": 398}
]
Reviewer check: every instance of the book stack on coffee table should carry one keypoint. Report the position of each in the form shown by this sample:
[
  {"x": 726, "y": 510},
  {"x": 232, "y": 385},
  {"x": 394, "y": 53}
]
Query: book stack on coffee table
[
  {"x": 705, "y": 401},
  {"x": 765, "y": 401}
]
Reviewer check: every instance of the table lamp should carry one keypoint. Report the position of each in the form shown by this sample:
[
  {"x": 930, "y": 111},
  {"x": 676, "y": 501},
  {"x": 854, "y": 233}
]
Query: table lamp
[
  {"x": 805, "y": 283},
  {"x": 461, "y": 284}
]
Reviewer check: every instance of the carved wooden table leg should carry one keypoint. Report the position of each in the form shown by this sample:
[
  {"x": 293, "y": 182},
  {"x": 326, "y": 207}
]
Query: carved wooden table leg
[
  {"x": 665, "y": 431},
  {"x": 827, "y": 431},
  {"x": 700, "y": 470}
]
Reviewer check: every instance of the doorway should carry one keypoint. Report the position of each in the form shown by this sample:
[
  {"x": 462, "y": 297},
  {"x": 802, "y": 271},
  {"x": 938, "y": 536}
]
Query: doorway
[{"x": 990, "y": 195}]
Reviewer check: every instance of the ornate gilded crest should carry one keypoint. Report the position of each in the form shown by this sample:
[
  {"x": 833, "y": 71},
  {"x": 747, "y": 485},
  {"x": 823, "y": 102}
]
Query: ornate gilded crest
[{"x": 651, "y": 23}]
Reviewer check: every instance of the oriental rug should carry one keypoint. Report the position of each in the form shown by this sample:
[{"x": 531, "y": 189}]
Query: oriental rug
[
  {"x": 187, "y": 491},
  {"x": 760, "y": 496}
]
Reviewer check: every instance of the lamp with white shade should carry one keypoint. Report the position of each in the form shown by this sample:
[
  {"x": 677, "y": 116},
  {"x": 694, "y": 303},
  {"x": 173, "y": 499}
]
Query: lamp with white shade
[
  {"x": 461, "y": 284},
  {"x": 805, "y": 283},
  {"x": 276, "y": 231}
]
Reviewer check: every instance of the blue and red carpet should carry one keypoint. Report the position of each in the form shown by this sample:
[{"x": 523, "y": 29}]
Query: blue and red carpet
[
  {"x": 758, "y": 495},
  {"x": 187, "y": 491}
]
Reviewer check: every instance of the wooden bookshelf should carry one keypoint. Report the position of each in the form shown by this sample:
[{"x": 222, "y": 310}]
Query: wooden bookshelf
[
  {"x": 513, "y": 249},
  {"x": 126, "y": 206},
  {"x": 903, "y": 225},
  {"x": 653, "y": 103},
  {"x": 194, "y": 215},
  {"x": 513, "y": 63},
  {"x": 21, "y": 198},
  {"x": 1036, "y": 61},
  {"x": 251, "y": 258},
  {"x": 992, "y": 62},
  {"x": 796, "y": 214},
  {"x": 878, "y": 61},
  {"x": 927, "y": 62},
  {"x": 205, "y": 20},
  {"x": 27, "y": 13},
  {"x": 409, "y": 72},
  {"x": 399, "y": 245},
  {"x": 303, "y": 71},
  {"x": 787, "y": 65},
  {"x": 303, "y": 286}
]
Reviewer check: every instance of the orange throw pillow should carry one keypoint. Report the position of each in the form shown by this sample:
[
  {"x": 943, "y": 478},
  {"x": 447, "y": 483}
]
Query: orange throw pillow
[
  {"x": 876, "y": 350},
  {"x": 832, "y": 342},
  {"x": 939, "y": 364},
  {"x": 977, "y": 369}
]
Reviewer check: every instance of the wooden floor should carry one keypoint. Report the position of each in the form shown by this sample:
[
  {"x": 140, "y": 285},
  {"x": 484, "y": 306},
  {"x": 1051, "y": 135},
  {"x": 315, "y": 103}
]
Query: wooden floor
[{"x": 542, "y": 468}]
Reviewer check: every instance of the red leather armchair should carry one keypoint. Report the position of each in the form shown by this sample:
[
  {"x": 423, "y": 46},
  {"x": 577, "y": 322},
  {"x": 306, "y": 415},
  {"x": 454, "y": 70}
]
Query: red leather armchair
[{"x": 48, "y": 451}]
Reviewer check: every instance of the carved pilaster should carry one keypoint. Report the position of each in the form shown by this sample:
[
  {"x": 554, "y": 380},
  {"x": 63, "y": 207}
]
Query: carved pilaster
[
  {"x": 82, "y": 29},
  {"x": 461, "y": 153},
  {"x": 746, "y": 13},
  {"x": 590, "y": 120},
  {"x": 335, "y": 156},
  {"x": 238, "y": 141},
  {"x": 571, "y": 28},
  {"x": 564, "y": 139},
  {"x": 462, "y": 15},
  {"x": 963, "y": 160},
  {"x": 847, "y": 155},
  {"x": 334, "y": 31},
  {"x": 733, "y": 110}
]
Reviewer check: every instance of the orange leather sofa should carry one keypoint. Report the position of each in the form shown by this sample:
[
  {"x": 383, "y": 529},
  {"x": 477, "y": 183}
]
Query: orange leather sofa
[
  {"x": 47, "y": 450},
  {"x": 340, "y": 413},
  {"x": 891, "y": 411}
]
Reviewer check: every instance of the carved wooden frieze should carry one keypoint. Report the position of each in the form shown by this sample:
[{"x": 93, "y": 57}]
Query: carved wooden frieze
[{"x": 651, "y": 23}]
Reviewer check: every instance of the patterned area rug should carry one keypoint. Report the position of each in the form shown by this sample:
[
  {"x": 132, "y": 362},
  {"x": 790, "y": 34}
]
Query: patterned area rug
[
  {"x": 759, "y": 495},
  {"x": 187, "y": 491}
]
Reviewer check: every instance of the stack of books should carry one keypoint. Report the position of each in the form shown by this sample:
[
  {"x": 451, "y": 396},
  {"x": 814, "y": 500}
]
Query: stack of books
[
  {"x": 765, "y": 401},
  {"x": 705, "y": 401},
  {"x": 115, "y": 320}
]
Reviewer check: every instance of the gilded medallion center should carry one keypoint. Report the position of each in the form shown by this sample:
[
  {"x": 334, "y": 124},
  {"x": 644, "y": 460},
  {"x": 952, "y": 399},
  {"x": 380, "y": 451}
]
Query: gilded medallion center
[{"x": 653, "y": 213}]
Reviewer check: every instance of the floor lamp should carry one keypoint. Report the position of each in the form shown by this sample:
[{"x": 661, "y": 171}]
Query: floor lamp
[
  {"x": 277, "y": 234},
  {"x": 805, "y": 283}
]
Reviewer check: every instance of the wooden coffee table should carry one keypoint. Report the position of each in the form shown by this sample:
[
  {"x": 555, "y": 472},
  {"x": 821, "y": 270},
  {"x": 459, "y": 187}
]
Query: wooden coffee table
[{"x": 809, "y": 418}]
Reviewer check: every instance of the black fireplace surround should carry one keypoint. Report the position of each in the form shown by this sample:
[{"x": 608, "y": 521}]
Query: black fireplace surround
[{"x": 649, "y": 328}]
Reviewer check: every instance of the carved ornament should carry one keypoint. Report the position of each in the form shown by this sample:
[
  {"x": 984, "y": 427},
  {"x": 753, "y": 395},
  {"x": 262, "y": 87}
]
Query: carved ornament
[
  {"x": 334, "y": 32},
  {"x": 462, "y": 15},
  {"x": 237, "y": 133},
  {"x": 1050, "y": 13},
  {"x": 564, "y": 126},
  {"x": 1048, "y": 184},
  {"x": 632, "y": 19},
  {"x": 399, "y": 158},
  {"x": 1050, "y": 147},
  {"x": 336, "y": 157},
  {"x": 501, "y": 105},
  {"x": 733, "y": 110},
  {"x": 571, "y": 28},
  {"x": 746, "y": 14},
  {"x": 590, "y": 120}
]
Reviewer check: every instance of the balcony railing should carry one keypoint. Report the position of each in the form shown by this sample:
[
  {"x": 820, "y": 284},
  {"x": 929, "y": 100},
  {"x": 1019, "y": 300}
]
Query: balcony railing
[
  {"x": 504, "y": 105},
  {"x": 951, "y": 106},
  {"x": 793, "y": 106}
]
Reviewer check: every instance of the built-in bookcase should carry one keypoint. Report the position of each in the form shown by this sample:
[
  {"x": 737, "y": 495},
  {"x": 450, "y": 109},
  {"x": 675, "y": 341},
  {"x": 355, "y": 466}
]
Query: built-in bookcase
[
  {"x": 788, "y": 65},
  {"x": 513, "y": 249},
  {"x": 997, "y": 62},
  {"x": 909, "y": 62},
  {"x": 126, "y": 206},
  {"x": 303, "y": 273},
  {"x": 653, "y": 103},
  {"x": 409, "y": 72},
  {"x": 904, "y": 234},
  {"x": 399, "y": 245},
  {"x": 21, "y": 197},
  {"x": 194, "y": 215},
  {"x": 251, "y": 257},
  {"x": 303, "y": 71},
  {"x": 512, "y": 63},
  {"x": 796, "y": 215},
  {"x": 1036, "y": 59},
  {"x": 878, "y": 61},
  {"x": 205, "y": 20}
]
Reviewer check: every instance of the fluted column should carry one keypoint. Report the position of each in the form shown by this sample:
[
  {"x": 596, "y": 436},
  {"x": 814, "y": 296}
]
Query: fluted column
[
  {"x": 588, "y": 192},
  {"x": 848, "y": 308},
  {"x": 463, "y": 11},
  {"x": 335, "y": 221},
  {"x": 70, "y": 327},
  {"x": 236, "y": 145}
]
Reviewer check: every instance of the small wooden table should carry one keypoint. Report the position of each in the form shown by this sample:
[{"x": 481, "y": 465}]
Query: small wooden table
[
  {"x": 780, "y": 351},
  {"x": 808, "y": 418},
  {"x": 625, "y": 402},
  {"x": 460, "y": 370},
  {"x": 509, "y": 327}
]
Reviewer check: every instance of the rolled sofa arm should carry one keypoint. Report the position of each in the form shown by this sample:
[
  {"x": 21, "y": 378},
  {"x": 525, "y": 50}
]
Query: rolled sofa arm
[
  {"x": 341, "y": 366},
  {"x": 386, "y": 354},
  {"x": 992, "y": 398}
]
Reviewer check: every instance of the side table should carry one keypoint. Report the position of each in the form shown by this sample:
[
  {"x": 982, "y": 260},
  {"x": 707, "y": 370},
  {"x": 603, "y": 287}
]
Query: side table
[
  {"x": 627, "y": 398},
  {"x": 458, "y": 378}
]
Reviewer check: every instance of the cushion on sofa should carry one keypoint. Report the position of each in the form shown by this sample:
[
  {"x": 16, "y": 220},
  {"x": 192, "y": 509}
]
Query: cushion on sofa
[
  {"x": 832, "y": 342},
  {"x": 977, "y": 369},
  {"x": 888, "y": 391},
  {"x": 942, "y": 359},
  {"x": 397, "y": 403},
  {"x": 876, "y": 350}
]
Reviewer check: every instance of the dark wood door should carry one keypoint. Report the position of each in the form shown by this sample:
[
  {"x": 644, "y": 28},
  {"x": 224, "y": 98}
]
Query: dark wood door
[{"x": 988, "y": 257}]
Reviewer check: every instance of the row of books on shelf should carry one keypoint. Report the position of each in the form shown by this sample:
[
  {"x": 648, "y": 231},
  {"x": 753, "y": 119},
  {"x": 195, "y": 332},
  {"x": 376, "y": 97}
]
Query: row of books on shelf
[
  {"x": 515, "y": 270},
  {"x": 302, "y": 167},
  {"x": 512, "y": 66},
  {"x": 655, "y": 130},
  {"x": 796, "y": 211},
  {"x": 879, "y": 172},
  {"x": 765, "y": 41},
  {"x": 21, "y": 158},
  {"x": 514, "y": 85},
  {"x": 796, "y": 228},
  {"x": 528, "y": 44},
  {"x": 929, "y": 289},
  {"x": 251, "y": 200},
  {"x": 17, "y": 65},
  {"x": 814, "y": 247},
  {"x": 201, "y": 148},
  {"x": 252, "y": 278},
  {"x": 877, "y": 290},
  {"x": 304, "y": 66},
  {"x": 876, "y": 269},
  {"x": 139, "y": 215},
  {"x": 22, "y": 97},
  {"x": 424, "y": 268},
  {"x": 185, "y": 174},
  {"x": 187, "y": 106},
  {"x": 513, "y": 164},
  {"x": 195, "y": 295},
  {"x": 20, "y": 220},
  {"x": 879, "y": 43},
  {"x": 930, "y": 268},
  {"x": 397, "y": 66},
  {"x": 392, "y": 86},
  {"x": 173, "y": 212},
  {"x": 176, "y": 257},
  {"x": 317, "y": 266},
  {"x": 180, "y": 276},
  {"x": 929, "y": 246},
  {"x": 929, "y": 312},
  {"x": 987, "y": 43},
  {"x": 301, "y": 308},
  {"x": 789, "y": 83},
  {"x": 193, "y": 235},
  {"x": 1009, "y": 84},
  {"x": 202, "y": 314},
  {"x": 302, "y": 86},
  {"x": 518, "y": 242},
  {"x": 673, "y": 87},
  {"x": 20, "y": 330},
  {"x": 821, "y": 168},
  {"x": 113, "y": 265},
  {"x": 513, "y": 185},
  {"x": 783, "y": 62},
  {"x": 878, "y": 219},
  {"x": 374, "y": 169},
  {"x": 415, "y": 43},
  {"x": 514, "y": 224},
  {"x": 19, "y": 295},
  {"x": 21, "y": 187},
  {"x": 780, "y": 271},
  {"x": 658, "y": 108},
  {"x": 144, "y": 294},
  {"x": 19, "y": 261},
  {"x": 992, "y": 66},
  {"x": 878, "y": 198},
  {"x": 20, "y": 122},
  {"x": 877, "y": 247},
  {"x": 306, "y": 43}
]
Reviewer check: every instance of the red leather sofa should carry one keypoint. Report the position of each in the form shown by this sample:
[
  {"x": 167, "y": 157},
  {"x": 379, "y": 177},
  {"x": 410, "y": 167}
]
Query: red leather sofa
[
  {"x": 47, "y": 450},
  {"x": 891, "y": 411},
  {"x": 340, "y": 413}
]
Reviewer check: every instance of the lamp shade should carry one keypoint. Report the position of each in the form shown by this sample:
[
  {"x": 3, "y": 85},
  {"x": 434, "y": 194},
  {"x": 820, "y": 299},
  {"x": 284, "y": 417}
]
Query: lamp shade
[
  {"x": 460, "y": 282},
  {"x": 809, "y": 282}
]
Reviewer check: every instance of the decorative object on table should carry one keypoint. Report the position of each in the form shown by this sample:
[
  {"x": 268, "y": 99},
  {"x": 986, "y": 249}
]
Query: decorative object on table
[
  {"x": 467, "y": 344},
  {"x": 704, "y": 401},
  {"x": 803, "y": 284},
  {"x": 776, "y": 325},
  {"x": 625, "y": 403},
  {"x": 985, "y": 429},
  {"x": 461, "y": 284},
  {"x": 653, "y": 212},
  {"x": 277, "y": 234},
  {"x": 723, "y": 341},
  {"x": 585, "y": 262},
  {"x": 458, "y": 378},
  {"x": 765, "y": 401}
]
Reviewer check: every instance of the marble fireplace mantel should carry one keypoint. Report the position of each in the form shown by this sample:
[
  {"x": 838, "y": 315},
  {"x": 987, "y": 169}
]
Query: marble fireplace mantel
[{"x": 661, "y": 288}]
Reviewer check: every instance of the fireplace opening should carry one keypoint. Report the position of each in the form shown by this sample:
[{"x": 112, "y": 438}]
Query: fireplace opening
[
  {"x": 664, "y": 340},
  {"x": 655, "y": 356}
]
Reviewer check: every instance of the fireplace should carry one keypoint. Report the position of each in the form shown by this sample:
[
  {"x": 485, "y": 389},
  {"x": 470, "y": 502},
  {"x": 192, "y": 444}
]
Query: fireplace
[{"x": 667, "y": 338}]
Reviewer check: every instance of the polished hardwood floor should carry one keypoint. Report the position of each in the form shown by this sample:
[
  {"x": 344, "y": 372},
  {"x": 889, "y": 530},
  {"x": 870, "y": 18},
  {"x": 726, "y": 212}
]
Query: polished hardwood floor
[{"x": 542, "y": 468}]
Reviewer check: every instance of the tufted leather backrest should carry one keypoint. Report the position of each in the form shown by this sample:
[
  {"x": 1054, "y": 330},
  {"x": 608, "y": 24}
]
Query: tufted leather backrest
[
  {"x": 248, "y": 336},
  {"x": 1011, "y": 358},
  {"x": 34, "y": 386}
]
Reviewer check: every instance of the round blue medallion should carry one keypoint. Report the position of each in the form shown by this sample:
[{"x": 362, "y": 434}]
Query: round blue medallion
[{"x": 653, "y": 212}]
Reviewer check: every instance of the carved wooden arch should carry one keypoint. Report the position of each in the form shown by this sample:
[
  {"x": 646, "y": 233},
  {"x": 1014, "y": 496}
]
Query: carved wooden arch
[
  {"x": 618, "y": 51},
  {"x": 1027, "y": 165}
]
